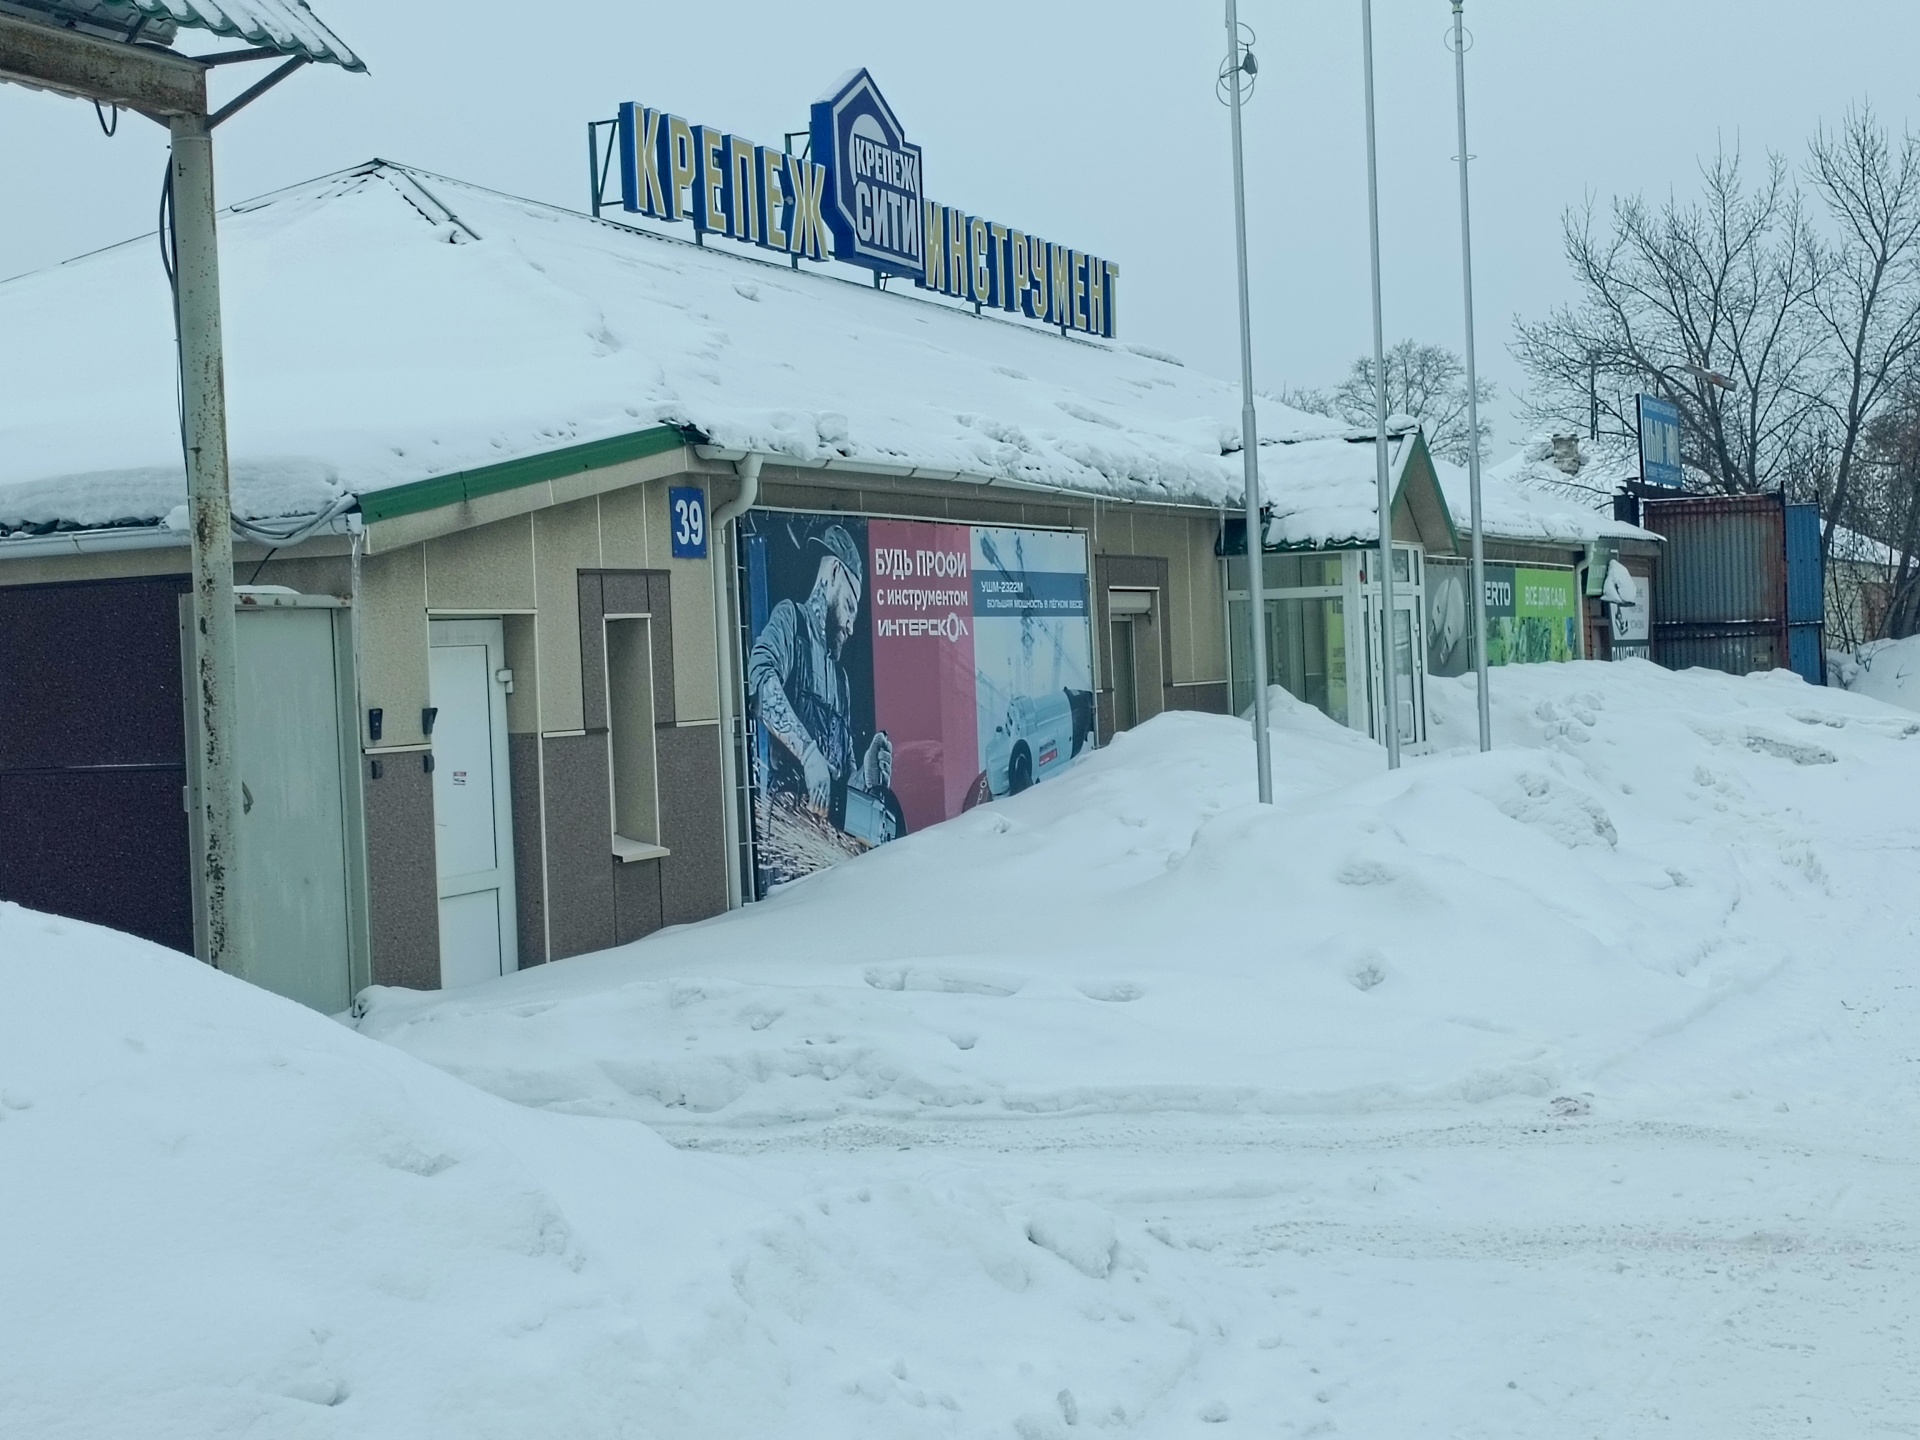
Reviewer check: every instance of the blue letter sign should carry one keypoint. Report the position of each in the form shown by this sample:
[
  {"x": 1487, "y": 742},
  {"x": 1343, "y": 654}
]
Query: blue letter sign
[
  {"x": 687, "y": 514},
  {"x": 877, "y": 205},
  {"x": 858, "y": 196},
  {"x": 1660, "y": 444}
]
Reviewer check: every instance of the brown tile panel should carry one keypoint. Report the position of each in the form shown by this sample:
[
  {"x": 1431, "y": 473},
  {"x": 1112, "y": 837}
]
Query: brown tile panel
[
  {"x": 580, "y": 860},
  {"x": 1209, "y": 696},
  {"x": 665, "y": 708},
  {"x": 593, "y": 651},
  {"x": 108, "y": 847},
  {"x": 693, "y": 879},
  {"x": 628, "y": 592},
  {"x": 523, "y": 767},
  {"x": 403, "y": 883},
  {"x": 625, "y": 592},
  {"x": 636, "y": 890}
]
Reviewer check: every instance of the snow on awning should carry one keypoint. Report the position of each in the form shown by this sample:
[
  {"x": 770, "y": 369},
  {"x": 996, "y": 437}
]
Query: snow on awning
[{"x": 284, "y": 25}]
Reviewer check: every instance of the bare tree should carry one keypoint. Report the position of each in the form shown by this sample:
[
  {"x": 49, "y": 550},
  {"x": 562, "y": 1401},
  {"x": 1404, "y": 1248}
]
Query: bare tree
[
  {"x": 1883, "y": 513},
  {"x": 1670, "y": 297},
  {"x": 1305, "y": 397},
  {"x": 1866, "y": 302},
  {"x": 1428, "y": 382}
]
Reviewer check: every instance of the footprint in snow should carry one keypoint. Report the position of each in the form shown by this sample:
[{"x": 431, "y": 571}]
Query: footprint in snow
[{"x": 1116, "y": 992}]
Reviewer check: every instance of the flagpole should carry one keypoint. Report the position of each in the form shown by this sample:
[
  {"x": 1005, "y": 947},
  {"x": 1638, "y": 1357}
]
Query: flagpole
[
  {"x": 1479, "y": 607},
  {"x": 1390, "y": 682}
]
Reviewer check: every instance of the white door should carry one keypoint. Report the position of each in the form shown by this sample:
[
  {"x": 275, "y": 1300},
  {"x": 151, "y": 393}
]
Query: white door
[
  {"x": 292, "y": 827},
  {"x": 1409, "y": 650},
  {"x": 472, "y": 802}
]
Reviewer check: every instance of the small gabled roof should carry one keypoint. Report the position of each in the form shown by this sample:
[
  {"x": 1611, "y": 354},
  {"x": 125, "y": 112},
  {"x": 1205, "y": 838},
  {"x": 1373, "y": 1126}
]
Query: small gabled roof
[{"x": 1325, "y": 490}]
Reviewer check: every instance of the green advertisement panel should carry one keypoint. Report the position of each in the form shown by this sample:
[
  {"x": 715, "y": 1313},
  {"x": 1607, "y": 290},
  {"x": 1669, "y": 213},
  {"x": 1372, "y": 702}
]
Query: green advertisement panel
[{"x": 1533, "y": 616}]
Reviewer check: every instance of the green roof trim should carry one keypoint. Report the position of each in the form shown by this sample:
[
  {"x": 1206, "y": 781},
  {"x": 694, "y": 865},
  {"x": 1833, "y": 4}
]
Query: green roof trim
[{"x": 463, "y": 485}]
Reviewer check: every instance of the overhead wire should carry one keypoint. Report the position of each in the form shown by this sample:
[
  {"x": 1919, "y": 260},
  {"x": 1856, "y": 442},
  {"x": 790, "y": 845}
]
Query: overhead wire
[{"x": 275, "y": 533}]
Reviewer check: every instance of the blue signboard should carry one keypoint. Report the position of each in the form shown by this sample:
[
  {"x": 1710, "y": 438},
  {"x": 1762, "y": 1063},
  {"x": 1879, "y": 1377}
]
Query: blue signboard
[
  {"x": 857, "y": 196},
  {"x": 687, "y": 518},
  {"x": 876, "y": 204},
  {"x": 1660, "y": 444}
]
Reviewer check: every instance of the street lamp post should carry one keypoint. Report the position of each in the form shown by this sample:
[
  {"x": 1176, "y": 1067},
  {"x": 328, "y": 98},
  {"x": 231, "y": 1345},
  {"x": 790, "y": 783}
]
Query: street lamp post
[
  {"x": 1238, "y": 65},
  {"x": 1390, "y": 680},
  {"x": 1479, "y": 572}
]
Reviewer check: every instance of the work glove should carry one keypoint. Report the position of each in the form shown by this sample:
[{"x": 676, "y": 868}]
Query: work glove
[
  {"x": 819, "y": 778},
  {"x": 876, "y": 771}
]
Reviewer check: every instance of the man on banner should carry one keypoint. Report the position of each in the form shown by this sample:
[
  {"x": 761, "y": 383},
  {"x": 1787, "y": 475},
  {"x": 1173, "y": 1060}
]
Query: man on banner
[{"x": 800, "y": 690}]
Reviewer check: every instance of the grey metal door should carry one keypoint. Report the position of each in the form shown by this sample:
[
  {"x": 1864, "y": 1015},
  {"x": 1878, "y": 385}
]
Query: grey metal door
[
  {"x": 299, "y": 872},
  {"x": 292, "y": 829},
  {"x": 472, "y": 802}
]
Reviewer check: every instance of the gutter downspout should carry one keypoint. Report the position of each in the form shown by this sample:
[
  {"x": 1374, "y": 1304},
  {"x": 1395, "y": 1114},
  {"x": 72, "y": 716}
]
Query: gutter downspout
[{"x": 726, "y": 640}]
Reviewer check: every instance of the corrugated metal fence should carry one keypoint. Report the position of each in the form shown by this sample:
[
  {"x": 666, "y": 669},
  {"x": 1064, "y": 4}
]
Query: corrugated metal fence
[
  {"x": 1806, "y": 595},
  {"x": 1720, "y": 587}
]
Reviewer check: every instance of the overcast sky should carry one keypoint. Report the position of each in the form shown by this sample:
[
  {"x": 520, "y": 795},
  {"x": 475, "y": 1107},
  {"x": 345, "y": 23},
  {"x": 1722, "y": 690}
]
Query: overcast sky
[{"x": 1092, "y": 122}]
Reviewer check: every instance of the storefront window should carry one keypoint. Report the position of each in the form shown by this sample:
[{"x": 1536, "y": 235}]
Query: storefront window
[
  {"x": 1306, "y": 652},
  {"x": 1311, "y": 652},
  {"x": 1311, "y": 570}
]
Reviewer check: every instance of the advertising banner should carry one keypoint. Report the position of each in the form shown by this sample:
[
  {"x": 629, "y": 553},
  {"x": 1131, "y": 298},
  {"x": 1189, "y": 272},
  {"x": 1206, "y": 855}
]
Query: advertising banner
[
  {"x": 901, "y": 671},
  {"x": 1631, "y": 616},
  {"x": 1533, "y": 616}
]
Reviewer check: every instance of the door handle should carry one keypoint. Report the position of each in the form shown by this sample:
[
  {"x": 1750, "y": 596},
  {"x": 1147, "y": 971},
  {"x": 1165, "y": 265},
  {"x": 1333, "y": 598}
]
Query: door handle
[{"x": 246, "y": 799}]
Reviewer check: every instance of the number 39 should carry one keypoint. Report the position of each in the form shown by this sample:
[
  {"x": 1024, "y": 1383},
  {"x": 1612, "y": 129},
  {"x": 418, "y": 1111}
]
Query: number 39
[{"x": 689, "y": 523}]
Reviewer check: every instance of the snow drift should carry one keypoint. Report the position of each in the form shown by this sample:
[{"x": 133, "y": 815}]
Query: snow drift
[
  {"x": 1136, "y": 937},
  {"x": 1557, "y": 1092}
]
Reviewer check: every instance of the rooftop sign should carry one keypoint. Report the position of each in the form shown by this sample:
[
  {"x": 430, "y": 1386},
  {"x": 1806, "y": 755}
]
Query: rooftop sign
[
  {"x": 1660, "y": 444},
  {"x": 876, "y": 206},
  {"x": 858, "y": 196}
]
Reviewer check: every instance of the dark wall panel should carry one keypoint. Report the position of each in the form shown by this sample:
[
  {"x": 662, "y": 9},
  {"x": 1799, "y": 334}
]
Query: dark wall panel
[
  {"x": 93, "y": 755},
  {"x": 403, "y": 882},
  {"x": 593, "y": 651},
  {"x": 1209, "y": 696},
  {"x": 102, "y": 846},
  {"x": 693, "y": 879},
  {"x": 90, "y": 674},
  {"x": 523, "y": 762},
  {"x": 636, "y": 890},
  {"x": 579, "y": 844}
]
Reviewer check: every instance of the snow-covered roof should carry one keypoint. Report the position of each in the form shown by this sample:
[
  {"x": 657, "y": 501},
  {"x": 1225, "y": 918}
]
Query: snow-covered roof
[
  {"x": 1326, "y": 491},
  {"x": 385, "y": 326},
  {"x": 1557, "y": 488},
  {"x": 285, "y": 25},
  {"x": 1855, "y": 548}
]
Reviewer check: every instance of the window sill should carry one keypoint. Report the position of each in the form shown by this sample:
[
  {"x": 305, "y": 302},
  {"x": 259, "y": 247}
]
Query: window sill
[{"x": 627, "y": 851}]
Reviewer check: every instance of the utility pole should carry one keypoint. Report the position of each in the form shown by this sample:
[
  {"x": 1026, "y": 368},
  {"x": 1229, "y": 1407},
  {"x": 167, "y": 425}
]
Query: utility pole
[
  {"x": 1230, "y": 76},
  {"x": 1390, "y": 680},
  {"x": 74, "y": 51},
  {"x": 1479, "y": 572},
  {"x": 203, "y": 395}
]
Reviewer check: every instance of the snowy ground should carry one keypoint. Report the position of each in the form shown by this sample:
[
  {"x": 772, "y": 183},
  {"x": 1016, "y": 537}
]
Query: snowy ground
[{"x": 1563, "y": 1092}]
